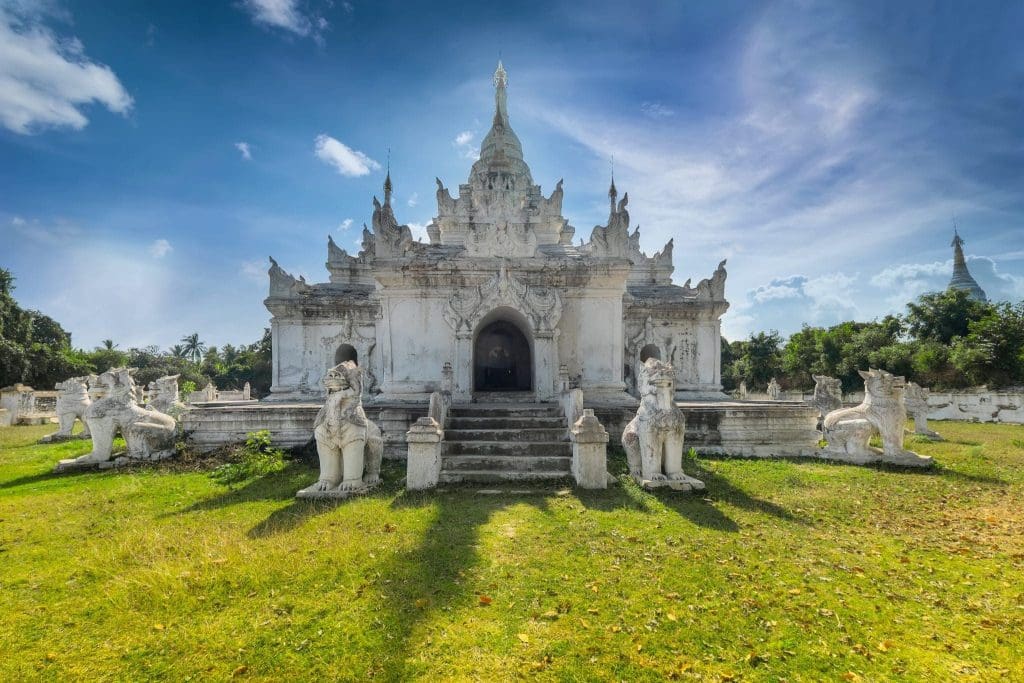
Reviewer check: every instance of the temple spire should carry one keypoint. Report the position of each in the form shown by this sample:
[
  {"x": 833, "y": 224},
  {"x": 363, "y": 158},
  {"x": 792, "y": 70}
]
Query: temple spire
[
  {"x": 500, "y": 96},
  {"x": 962, "y": 278},
  {"x": 387, "y": 182},
  {"x": 612, "y": 194}
]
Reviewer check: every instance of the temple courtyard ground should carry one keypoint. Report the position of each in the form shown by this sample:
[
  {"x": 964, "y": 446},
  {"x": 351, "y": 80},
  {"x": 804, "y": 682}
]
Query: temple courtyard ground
[{"x": 783, "y": 569}]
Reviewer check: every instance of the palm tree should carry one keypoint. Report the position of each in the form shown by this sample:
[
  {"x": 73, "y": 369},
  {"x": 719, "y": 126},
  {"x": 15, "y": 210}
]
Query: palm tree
[
  {"x": 193, "y": 347},
  {"x": 109, "y": 344},
  {"x": 178, "y": 351}
]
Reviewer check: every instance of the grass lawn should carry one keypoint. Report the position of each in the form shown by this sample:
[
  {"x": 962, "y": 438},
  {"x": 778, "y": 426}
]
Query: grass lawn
[{"x": 796, "y": 570}]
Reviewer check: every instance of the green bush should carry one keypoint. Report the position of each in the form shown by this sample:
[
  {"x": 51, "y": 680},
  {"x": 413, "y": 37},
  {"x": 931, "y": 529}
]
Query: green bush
[{"x": 256, "y": 458}]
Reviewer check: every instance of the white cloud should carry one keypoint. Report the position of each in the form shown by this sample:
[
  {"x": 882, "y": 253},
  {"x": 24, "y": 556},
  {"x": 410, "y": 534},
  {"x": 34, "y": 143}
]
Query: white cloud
[
  {"x": 656, "y": 110},
  {"x": 413, "y": 199},
  {"x": 55, "y": 233},
  {"x": 419, "y": 231},
  {"x": 246, "y": 149},
  {"x": 255, "y": 270},
  {"x": 286, "y": 15},
  {"x": 160, "y": 248},
  {"x": 463, "y": 142},
  {"x": 347, "y": 161},
  {"x": 45, "y": 80},
  {"x": 345, "y": 224}
]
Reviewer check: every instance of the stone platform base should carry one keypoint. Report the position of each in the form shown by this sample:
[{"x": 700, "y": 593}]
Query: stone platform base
[
  {"x": 759, "y": 429},
  {"x": 36, "y": 419},
  {"x": 688, "y": 484},
  {"x": 57, "y": 438},
  {"x": 333, "y": 494},
  {"x": 875, "y": 457},
  {"x": 117, "y": 460}
]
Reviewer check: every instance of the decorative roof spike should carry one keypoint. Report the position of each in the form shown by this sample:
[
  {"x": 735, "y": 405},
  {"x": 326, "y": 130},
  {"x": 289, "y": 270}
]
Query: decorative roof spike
[
  {"x": 612, "y": 194},
  {"x": 500, "y": 96},
  {"x": 387, "y": 182}
]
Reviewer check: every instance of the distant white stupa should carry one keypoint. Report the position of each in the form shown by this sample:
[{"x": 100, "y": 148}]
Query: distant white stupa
[{"x": 962, "y": 278}]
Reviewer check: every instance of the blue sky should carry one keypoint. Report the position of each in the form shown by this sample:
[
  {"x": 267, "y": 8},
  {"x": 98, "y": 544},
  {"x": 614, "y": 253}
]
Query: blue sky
[{"x": 154, "y": 155}]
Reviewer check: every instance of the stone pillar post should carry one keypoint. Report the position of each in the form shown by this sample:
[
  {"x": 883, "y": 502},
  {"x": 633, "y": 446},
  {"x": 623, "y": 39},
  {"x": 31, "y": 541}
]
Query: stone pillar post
[
  {"x": 546, "y": 364},
  {"x": 589, "y": 452},
  {"x": 423, "y": 466},
  {"x": 463, "y": 390}
]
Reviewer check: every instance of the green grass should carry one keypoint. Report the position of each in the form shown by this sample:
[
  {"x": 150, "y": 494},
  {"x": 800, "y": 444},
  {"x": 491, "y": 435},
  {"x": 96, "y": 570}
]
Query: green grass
[{"x": 786, "y": 569}]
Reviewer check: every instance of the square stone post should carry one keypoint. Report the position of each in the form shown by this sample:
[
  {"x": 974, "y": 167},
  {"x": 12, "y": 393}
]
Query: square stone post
[
  {"x": 546, "y": 363},
  {"x": 463, "y": 390},
  {"x": 423, "y": 464},
  {"x": 589, "y": 452}
]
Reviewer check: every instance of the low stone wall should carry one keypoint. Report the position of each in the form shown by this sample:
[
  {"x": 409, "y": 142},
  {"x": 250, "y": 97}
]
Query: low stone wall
[
  {"x": 754, "y": 429},
  {"x": 211, "y": 425},
  {"x": 988, "y": 406},
  {"x": 960, "y": 406}
]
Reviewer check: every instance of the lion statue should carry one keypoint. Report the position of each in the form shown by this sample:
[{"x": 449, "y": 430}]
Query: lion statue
[
  {"x": 654, "y": 437},
  {"x": 828, "y": 395},
  {"x": 349, "y": 445},
  {"x": 72, "y": 402},
  {"x": 848, "y": 430},
  {"x": 916, "y": 399},
  {"x": 149, "y": 434},
  {"x": 163, "y": 396}
]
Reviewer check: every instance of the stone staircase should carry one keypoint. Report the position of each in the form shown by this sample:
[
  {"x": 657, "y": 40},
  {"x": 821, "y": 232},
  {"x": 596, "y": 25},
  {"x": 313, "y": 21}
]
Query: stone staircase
[{"x": 504, "y": 442}]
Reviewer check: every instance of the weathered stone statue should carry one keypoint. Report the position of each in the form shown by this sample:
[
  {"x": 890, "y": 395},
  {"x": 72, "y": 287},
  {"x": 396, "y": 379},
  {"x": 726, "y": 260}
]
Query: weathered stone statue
[
  {"x": 774, "y": 390},
  {"x": 349, "y": 445},
  {"x": 916, "y": 400},
  {"x": 828, "y": 394},
  {"x": 741, "y": 393},
  {"x": 163, "y": 396},
  {"x": 72, "y": 402},
  {"x": 848, "y": 430},
  {"x": 149, "y": 434},
  {"x": 654, "y": 438}
]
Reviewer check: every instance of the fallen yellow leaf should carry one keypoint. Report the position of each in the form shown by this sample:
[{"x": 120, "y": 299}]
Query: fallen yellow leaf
[
  {"x": 239, "y": 671},
  {"x": 523, "y": 637},
  {"x": 671, "y": 617},
  {"x": 158, "y": 627},
  {"x": 485, "y": 600}
]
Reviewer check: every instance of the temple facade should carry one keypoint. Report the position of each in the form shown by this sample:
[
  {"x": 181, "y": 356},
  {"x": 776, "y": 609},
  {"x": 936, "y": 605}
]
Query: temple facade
[{"x": 501, "y": 294}]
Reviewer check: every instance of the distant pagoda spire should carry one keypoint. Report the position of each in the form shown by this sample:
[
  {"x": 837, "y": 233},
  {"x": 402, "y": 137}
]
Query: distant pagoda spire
[
  {"x": 612, "y": 194},
  {"x": 387, "y": 182},
  {"x": 962, "y": 278}
]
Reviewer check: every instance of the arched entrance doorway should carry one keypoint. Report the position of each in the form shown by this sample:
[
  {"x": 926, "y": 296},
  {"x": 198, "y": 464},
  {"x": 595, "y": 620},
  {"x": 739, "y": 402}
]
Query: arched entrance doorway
[
  {"x": 346, "y": 352},
  {"x": 502, "y": 360}
]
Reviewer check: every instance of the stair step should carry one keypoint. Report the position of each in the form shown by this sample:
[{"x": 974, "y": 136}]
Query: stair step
[
  {"x": 507, "y": 448},
  {"x": 499, "y": 463},
  {"x": 456, "y": 422},
  {"x": 496, "y": 434},
  {"x": 488, "y": 476},
  {"x": 504, "y": 411}
]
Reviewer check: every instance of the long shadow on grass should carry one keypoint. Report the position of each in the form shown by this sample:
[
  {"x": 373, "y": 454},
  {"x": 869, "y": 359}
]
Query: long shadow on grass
[
  {"x": 277, "y": 486},
  {"x": 430, "y": 576}
]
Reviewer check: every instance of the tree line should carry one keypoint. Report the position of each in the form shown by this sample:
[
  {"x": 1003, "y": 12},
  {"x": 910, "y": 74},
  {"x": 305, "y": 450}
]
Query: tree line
[
  {"x": 945, "y": 340},
  {"x": 35, "y": 350}
]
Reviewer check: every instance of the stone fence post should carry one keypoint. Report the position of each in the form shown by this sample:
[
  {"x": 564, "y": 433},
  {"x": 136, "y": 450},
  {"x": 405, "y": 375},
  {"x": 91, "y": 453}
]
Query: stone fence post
[
  {"x": 589, "y": 452},
  {"x": 423, "y": 464}
]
